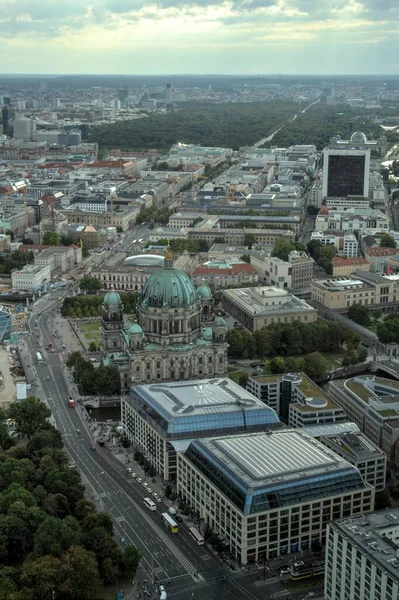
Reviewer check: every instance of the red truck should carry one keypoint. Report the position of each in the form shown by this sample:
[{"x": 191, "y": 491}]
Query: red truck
[{"x": 71, "y": 402}]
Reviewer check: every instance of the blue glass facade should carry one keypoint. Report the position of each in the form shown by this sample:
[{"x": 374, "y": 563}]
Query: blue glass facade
[
  {"x": 271, "y": 495},
  {"x": 194, "y": 422},
  {"x": 5, "y": 325}
]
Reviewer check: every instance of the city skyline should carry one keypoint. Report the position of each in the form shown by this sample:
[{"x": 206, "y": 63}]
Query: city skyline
[{"x": 199, "y": 36}]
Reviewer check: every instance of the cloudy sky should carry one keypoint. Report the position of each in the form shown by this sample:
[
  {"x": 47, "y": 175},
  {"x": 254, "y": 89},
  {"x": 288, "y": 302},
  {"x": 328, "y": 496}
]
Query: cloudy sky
[{"x": 199, "y": 36}]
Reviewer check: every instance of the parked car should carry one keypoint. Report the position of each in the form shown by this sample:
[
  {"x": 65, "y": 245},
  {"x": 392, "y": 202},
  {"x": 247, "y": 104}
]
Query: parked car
[{"x": 179, "y": 519}]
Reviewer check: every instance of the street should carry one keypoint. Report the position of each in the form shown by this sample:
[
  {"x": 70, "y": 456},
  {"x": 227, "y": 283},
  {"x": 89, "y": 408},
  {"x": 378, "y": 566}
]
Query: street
[{"x": 176, "y": 561}]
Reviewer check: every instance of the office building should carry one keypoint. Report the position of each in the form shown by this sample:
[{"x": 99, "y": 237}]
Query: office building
[
  {"x": 297, "y": 400},
  {"x": 378, "y": 257},
  {"x": 362, "y": 557},
  {"x": 5, "y": 323},
  {"x": 271, "y": 493},
  {"x": 359, "y": 140},
  {"x": 8, "y": 117},
  {"x": 373, "y": 404},
  {"x": 346, "y": 172},
  {"x": 24, "y": 129},
  {"x": 362, "y": 453},
  {"x": 259, "y": 306},
  {"x": 162, "y": 419}
]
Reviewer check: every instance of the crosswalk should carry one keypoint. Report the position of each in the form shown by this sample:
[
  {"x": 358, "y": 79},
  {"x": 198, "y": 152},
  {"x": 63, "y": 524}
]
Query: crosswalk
[
  {"x": 178, "y": 555},
  {"x": 158, "y": 571},
  {"x": 119, "y": 519}
]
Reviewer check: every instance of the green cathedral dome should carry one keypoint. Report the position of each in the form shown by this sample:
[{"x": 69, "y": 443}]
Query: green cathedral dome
[
  {"x": 112, "y": 299},
  {"x": 169, "y": 288}
]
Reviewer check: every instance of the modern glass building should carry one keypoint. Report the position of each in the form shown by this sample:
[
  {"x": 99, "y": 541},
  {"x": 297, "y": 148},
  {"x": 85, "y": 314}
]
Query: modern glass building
[
  {"x": 5, "y": 324},
  {"x": 346, "y": 172},
  {"x": 271, "y": 493},
  {"x": 161, "y": 419}
]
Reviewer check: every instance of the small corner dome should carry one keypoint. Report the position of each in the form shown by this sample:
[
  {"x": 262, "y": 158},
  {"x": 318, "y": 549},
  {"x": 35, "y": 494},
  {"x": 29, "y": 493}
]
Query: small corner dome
[
  {"x": 358, "y": 137},
  {"x": 203, "y": 292},
  {"x": 135, "y": 329},
  {"x": 112, "y": 299},
  {"x": 219, "y": 322}
]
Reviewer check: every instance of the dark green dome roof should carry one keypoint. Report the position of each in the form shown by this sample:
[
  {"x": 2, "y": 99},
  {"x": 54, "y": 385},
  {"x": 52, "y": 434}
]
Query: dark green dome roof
[
  {"x": 203, "y": 292},
  {"x": 170, "y": 288},
  {"x": 112, "y": 299}
]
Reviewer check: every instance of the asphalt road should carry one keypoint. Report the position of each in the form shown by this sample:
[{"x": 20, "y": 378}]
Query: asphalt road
[{"x": 173, "y": 559}]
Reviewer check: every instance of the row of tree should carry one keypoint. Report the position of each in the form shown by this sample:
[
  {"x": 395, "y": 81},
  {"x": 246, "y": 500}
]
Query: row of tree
[
  {"x": 90, "y": 306},
  {"x": 291, "y": 339},
  {"x": 14, "y": 260},
  {"x": 53, "y": 543},
  {"x": 319, "y": 124},
  {"x": 178, "y": 246},
  {"x": 91, "y": 380},
  {"x": 386, "y": 329}
]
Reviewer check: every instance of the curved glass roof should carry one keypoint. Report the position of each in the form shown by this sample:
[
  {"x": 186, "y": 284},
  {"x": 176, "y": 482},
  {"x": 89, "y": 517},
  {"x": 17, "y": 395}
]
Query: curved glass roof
[
  {"x": 189, "y": 409},
  {"x": 264, "y": 471},
  {"x": 144, "y": 260}
]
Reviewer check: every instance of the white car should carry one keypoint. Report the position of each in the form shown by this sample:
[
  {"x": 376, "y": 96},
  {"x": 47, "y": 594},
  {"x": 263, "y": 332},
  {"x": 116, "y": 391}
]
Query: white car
[
  {"x": 285, "y": 571},
  {"x": 133, "y": 475},
  {"x": 139, "y": 479},
  {"x": 148, "y": 489}
]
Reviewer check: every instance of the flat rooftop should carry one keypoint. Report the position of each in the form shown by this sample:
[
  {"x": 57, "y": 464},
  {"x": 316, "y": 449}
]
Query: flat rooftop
[
  {"x": 381, "y": 394},
  {"x": 368, "y": 533},
  {"x": 266, "y": 300},
  {"x": 185, "y": 408},
  {"x": 274, "y": 469},
  {"x": 355, "y": 445}
]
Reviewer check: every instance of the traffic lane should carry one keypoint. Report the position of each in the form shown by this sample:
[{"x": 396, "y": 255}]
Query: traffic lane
[
  {"x": 137, "y": 530},
  {"x": 95, "y": 464},
  {"x": 220, "y": 588},
  {"x": 200, "y": 555},
  {"x": 200, "y": 558},
  {"x": 118, "y": 507}
]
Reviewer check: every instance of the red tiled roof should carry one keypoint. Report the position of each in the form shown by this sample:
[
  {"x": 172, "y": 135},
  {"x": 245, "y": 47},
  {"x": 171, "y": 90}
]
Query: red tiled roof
[
  {"x": 381, "y": 251},
  {"x": 323, "y": 211},
  {"x": 338, "y": 261}
]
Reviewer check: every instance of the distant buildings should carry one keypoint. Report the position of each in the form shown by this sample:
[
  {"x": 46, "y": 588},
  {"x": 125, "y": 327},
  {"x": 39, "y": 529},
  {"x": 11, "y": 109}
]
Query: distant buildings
[
  {"x": 257, "y": 307},
  {"x": 362, "y": 561}
]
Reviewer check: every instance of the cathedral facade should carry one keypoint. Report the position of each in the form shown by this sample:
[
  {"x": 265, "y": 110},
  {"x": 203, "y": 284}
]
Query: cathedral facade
[{"x": 176, "y": 336}]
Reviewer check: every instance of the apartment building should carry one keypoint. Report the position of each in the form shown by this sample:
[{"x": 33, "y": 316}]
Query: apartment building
[
  {"x": 378, "y": 257},
  {"x": 345, "y": 243},
  {"x": 362, "y": 560},
  {"x": 269, "y": 493},
  {"x": 362, "y": 453},
  {"x": 259, "y": 306},
  {"x": 345, "y": 266}
]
